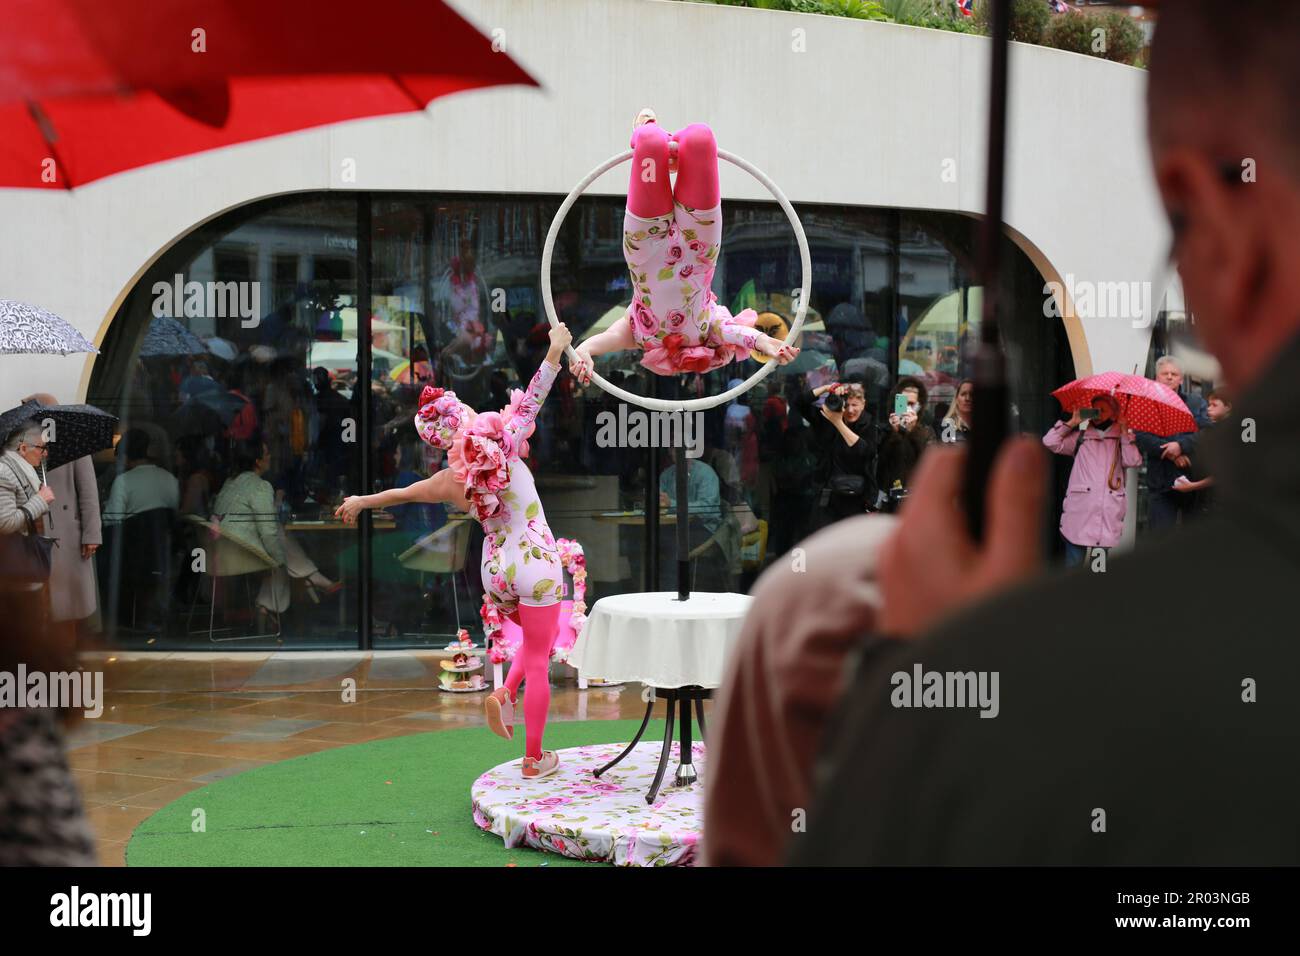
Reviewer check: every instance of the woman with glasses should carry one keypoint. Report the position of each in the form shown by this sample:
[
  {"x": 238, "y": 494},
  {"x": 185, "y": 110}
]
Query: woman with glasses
[{"x": 24, "y": 498}]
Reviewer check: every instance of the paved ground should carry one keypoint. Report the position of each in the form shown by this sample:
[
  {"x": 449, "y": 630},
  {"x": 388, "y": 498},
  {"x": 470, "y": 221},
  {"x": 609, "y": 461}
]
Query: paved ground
[{"x": 173, "y": 722}]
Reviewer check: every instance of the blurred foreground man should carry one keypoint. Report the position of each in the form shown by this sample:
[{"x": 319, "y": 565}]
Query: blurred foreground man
[{"x": 1136, "y": 716}]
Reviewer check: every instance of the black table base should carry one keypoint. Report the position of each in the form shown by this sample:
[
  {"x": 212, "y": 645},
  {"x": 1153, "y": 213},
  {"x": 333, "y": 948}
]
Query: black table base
[{"x": 683, "y": 697}]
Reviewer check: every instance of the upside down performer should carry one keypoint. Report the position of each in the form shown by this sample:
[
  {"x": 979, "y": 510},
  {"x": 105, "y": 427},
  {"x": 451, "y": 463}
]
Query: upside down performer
[
  {"x": 522, "y": 572},
  {"x": 671, "y": 238}
]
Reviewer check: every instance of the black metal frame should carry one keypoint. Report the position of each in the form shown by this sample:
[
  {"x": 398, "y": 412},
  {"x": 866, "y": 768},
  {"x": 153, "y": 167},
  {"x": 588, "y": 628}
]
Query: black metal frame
[
  {"x": 991, "y": 398},
  {"x": 682, "y": 698}
]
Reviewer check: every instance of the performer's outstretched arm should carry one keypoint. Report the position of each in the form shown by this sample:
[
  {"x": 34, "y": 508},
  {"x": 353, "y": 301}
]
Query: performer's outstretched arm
[
  {"x": 616, "y": 338},
  {"x": 441, "y": 487},
  {"x": 735, "y": 333},
  {"x": 520, "y": 423}
]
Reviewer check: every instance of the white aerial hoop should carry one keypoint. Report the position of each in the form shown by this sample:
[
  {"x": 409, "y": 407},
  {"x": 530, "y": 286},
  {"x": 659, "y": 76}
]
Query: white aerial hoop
[{"x": 688, "y": 404}]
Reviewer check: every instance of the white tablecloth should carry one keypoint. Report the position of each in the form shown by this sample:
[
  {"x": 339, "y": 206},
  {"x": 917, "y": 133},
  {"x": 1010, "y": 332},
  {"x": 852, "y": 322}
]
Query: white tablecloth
[{"x": 655, "y": 639}]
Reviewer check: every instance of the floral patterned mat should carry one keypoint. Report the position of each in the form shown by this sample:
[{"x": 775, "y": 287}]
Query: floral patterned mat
[{"x": 602, "y": 820}]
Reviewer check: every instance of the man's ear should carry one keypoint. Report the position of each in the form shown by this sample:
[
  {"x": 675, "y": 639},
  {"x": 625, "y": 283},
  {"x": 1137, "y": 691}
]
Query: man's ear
[{"x": 1213, "y": 245}]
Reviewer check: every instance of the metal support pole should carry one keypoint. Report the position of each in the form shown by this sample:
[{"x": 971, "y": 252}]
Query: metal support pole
[
  {"x": 652, "y": 506},
  {"x": 683, "y": 529},
  {"x": 366, "y": 528},
  {"x": 991, "y": 402}
]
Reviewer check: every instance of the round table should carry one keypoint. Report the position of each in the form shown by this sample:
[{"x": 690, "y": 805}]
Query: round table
[{"x": 679, "y": 649}]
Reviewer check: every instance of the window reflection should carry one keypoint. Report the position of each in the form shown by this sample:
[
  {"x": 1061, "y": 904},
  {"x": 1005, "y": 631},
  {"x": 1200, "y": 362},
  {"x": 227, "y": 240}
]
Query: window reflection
[{"x": 454, "y": 300}]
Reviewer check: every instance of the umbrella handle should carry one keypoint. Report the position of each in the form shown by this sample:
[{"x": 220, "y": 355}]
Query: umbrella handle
[{"x": 49, "y": 514}]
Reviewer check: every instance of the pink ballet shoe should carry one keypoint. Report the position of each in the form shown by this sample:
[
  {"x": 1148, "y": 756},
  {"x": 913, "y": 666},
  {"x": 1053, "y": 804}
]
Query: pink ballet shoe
[
  {"x": 500, "y": 710},
  {"x": 547, "y": 765}
]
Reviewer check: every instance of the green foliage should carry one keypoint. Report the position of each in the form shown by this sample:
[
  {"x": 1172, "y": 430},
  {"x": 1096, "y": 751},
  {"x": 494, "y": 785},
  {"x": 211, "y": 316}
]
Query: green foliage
[
  {"x": 934, "y": 14},
  {"x": 1031, "y": 22},
  {"x": 907, "y": 11},
  {"x": 1120, "y": 38},
  {"x": 853, "y": 9},
  {"x": 1124, "y": 39},
  {"x": 1071, "y": 32},
  {"x": 1029, "y": 18}
]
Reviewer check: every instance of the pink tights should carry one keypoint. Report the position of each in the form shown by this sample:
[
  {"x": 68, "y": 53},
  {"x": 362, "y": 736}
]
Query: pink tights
[
  {"x": 541, "y": 626},
  {"x": 649, "y": 191}
]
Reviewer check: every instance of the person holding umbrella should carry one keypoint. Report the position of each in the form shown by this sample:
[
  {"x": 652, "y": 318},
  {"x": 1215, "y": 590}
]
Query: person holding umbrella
[
  {"x": 1097, "y": 499},
  {"x": 24, "y": 498},
  {"x": 74, "y": 522},
  {"x": 41, "y": 436}
]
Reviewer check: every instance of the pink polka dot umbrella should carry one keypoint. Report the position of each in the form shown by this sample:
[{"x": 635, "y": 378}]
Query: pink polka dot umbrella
[{"x": 1146, "y": 405}]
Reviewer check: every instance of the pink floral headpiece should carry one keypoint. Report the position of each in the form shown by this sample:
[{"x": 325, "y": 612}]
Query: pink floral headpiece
[{"x": 442, "y": 417}]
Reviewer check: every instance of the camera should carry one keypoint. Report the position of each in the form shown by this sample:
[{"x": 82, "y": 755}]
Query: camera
[{"x": 835, "y": 403}]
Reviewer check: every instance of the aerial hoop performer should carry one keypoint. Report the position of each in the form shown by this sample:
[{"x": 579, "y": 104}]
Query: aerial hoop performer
[
  {"x": 672, "y": 234},
  {"x": 522, "y": 571}
]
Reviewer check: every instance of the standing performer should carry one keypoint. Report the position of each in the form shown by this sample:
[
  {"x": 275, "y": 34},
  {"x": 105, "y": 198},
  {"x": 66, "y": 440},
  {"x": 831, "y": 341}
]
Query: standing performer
[
  {"x": 671, "y": 238},
  {"x": 521, "y": 569}
]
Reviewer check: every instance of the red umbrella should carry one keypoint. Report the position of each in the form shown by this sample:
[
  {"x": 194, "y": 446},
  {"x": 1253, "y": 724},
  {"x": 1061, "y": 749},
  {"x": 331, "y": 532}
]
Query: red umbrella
[
  {"x": 1147, "y": 405},
  {"x": 90, "y": 88}
]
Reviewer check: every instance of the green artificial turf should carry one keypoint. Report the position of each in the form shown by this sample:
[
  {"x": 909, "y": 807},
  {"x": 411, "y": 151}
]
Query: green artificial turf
[{"x": 403, "y": 801}]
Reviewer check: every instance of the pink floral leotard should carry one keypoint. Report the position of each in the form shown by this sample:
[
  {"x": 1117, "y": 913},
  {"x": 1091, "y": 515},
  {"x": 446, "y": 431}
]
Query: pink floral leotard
[
  {"x": 676, "y": 318},
  {"x": 521, "y": 562}
]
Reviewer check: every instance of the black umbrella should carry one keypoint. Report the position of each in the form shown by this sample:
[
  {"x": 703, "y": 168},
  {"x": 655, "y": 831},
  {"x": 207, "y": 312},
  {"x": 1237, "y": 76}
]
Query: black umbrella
[
  {"x": 73, "y": 431},
  {"x": 206, "y": 413},
  {"x": 226, "y": 404},
  {"x": 195, "y": 418},
  {"x": 167, "y": 338}
]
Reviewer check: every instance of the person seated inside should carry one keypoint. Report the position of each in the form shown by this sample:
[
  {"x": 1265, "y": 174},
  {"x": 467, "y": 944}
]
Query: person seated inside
[
  {"x": 143, "y": 486},
  {"x": 245, "y": 510}
]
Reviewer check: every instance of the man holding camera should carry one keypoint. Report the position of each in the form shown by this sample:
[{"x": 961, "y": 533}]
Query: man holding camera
[{"x": 846, "y": 444}]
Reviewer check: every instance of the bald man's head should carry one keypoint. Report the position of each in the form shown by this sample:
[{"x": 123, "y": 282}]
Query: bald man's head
[{"x": 1225, "y": 77}]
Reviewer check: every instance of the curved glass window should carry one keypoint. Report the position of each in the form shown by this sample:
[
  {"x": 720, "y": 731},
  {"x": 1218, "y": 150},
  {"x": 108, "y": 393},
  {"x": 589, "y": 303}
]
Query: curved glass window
[{"x": 270, "y": 363}]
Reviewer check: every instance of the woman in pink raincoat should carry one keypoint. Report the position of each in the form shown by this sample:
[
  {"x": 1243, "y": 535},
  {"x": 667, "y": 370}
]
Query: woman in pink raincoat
[{"x": 1095, "y": 503}]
